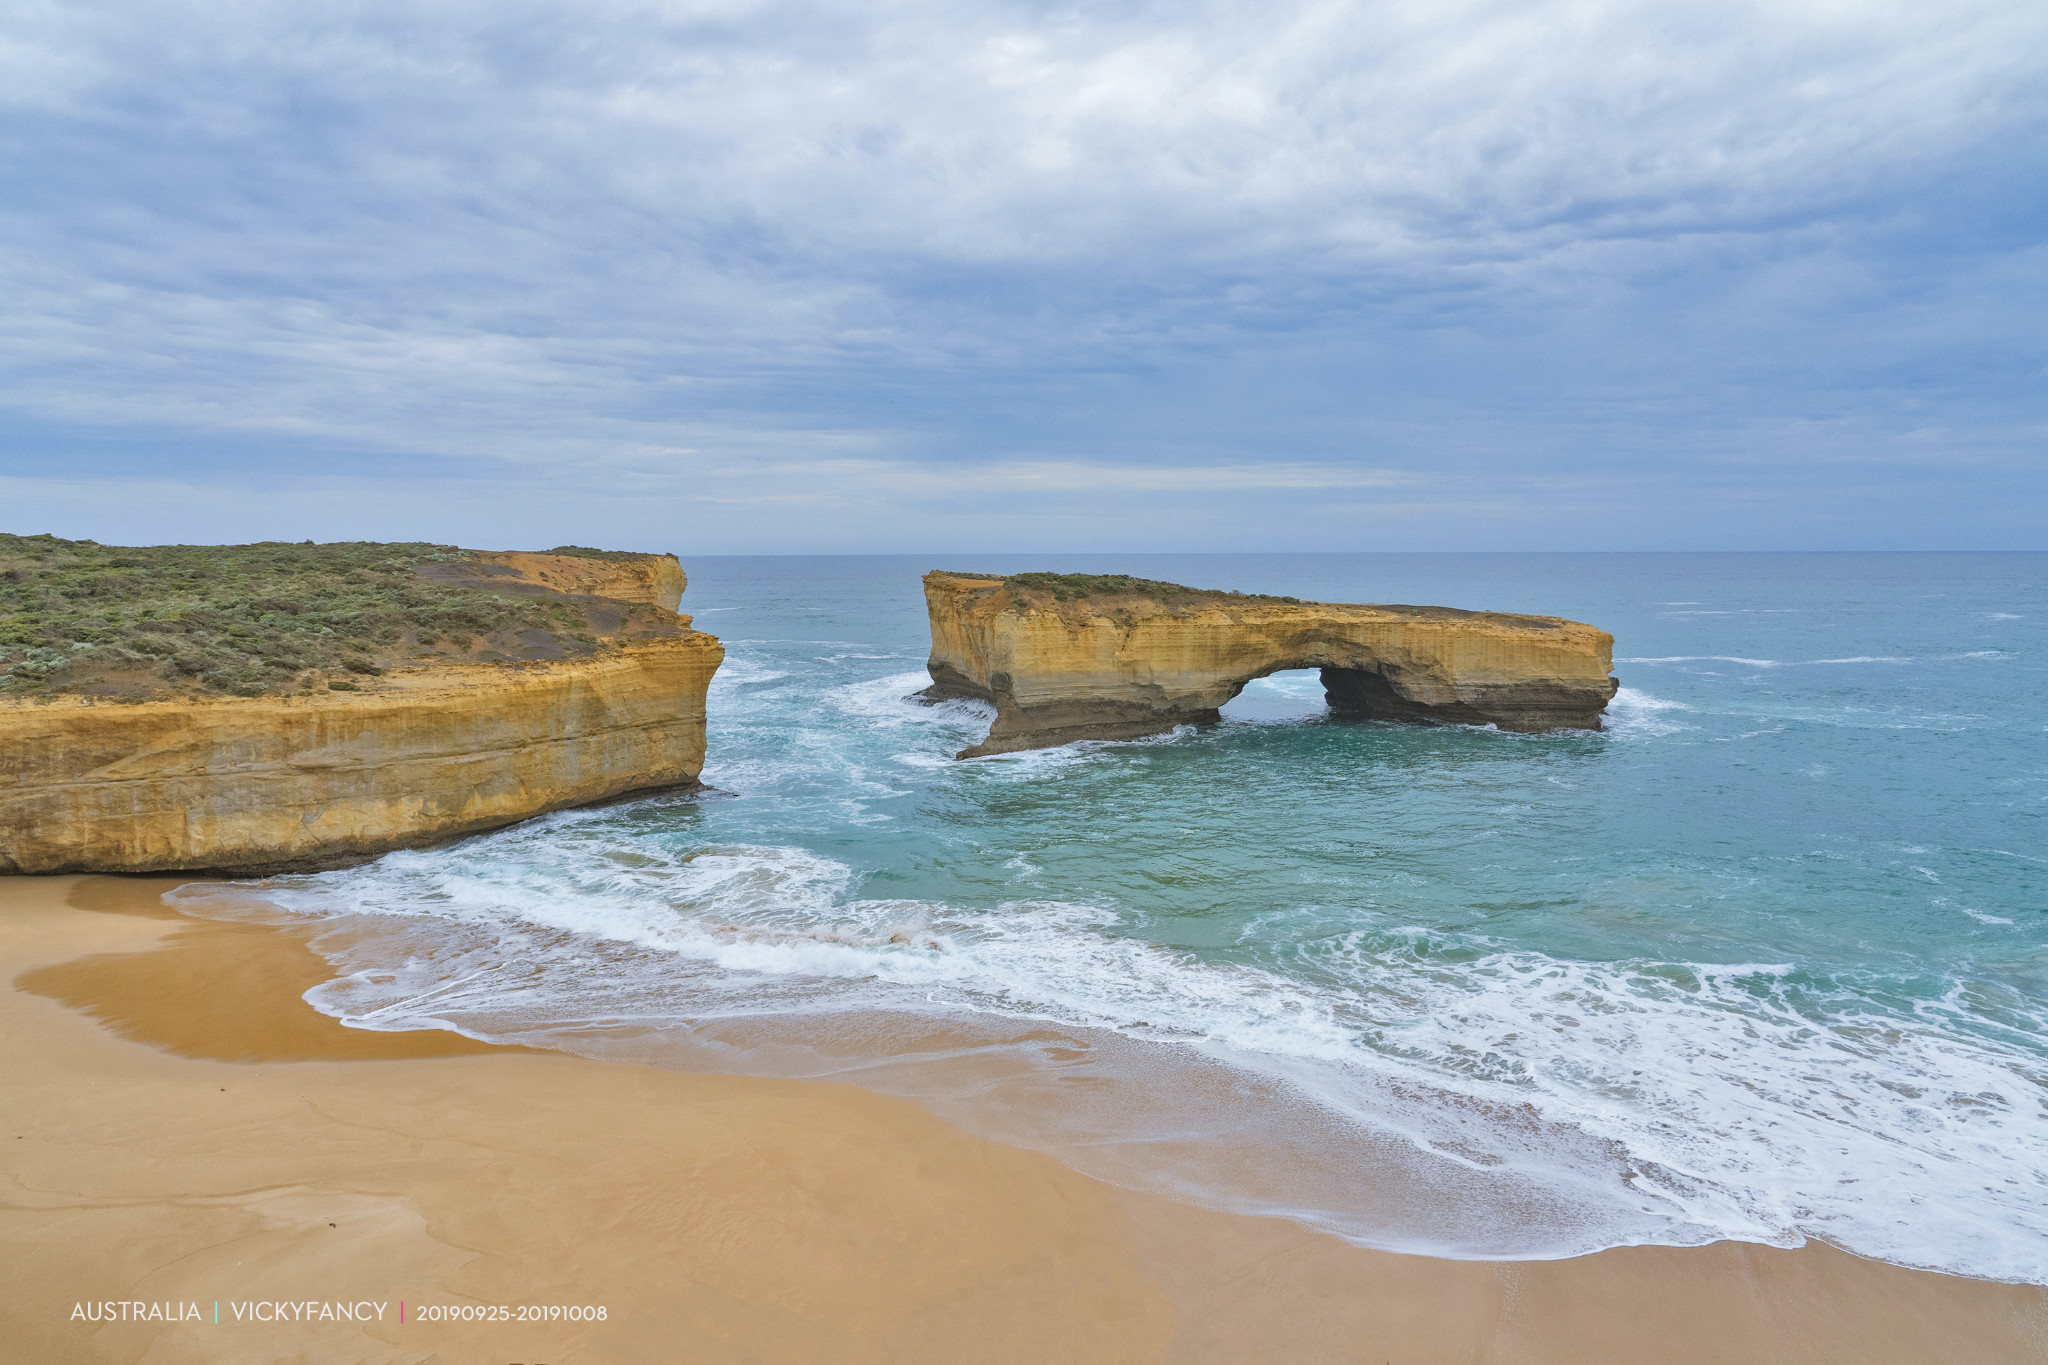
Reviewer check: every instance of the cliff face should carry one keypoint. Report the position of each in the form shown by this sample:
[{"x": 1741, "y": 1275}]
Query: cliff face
[
  {"x": 409, "y": 753},
  {"x": 657, "y": 580},
  {"x": 1125, "y": 665},
  {"x": 267, "y": 783}
]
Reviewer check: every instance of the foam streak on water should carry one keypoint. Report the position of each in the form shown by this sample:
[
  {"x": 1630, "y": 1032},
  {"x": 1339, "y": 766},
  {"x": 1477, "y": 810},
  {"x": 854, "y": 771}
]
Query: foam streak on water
[{"x": 1765, "y": 960}]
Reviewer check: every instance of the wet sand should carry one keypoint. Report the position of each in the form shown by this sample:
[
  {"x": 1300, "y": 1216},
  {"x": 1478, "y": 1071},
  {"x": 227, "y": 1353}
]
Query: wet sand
[{"x": 180, "y": 1127}]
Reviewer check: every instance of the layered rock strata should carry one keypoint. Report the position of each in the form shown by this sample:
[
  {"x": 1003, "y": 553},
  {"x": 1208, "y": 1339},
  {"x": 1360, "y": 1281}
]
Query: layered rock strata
[
  {"x": 656, "y": 580},
  {"x": 1123, "y": 665},
  {"x": 417, "y": 756}
]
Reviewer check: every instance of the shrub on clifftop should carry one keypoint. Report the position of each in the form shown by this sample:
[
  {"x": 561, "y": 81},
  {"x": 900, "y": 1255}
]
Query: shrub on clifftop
[
  {"x": 1069, "y": 587},
  {"x": 133, "y": 622}
]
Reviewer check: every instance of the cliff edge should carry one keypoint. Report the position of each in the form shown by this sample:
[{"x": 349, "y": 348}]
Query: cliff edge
[
  {"x": 318, "y": 706},
  {"x": 1072, "y": 657}
]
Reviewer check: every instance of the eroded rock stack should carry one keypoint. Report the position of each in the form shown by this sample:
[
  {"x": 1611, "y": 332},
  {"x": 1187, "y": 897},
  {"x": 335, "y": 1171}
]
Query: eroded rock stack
[{"x": 1072, "y": 658}]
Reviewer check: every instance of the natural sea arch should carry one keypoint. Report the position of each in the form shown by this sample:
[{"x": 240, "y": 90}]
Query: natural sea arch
[{"x": 1142, "y": 658}]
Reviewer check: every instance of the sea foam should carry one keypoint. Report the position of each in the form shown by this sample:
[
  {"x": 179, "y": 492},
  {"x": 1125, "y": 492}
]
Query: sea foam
[{"x": 1632, "y": 1101}]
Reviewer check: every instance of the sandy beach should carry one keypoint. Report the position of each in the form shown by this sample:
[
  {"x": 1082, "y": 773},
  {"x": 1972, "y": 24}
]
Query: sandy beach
[{"x": 185, "y": 1135}]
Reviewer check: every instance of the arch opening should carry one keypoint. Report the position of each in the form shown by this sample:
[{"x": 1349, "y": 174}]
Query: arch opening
[{"x": 1282, "y": 695}]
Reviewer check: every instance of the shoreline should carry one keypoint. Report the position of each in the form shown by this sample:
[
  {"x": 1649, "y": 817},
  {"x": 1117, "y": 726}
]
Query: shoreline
[{"x": 186, "y": 1129}]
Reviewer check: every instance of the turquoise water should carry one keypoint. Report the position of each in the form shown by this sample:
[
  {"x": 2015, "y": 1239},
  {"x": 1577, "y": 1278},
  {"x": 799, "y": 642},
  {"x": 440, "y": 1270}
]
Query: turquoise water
[{"x": 1767, "y": 959}]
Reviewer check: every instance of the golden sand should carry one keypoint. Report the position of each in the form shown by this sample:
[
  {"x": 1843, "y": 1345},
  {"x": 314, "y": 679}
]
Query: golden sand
[{"x": 179, "y": 1127}]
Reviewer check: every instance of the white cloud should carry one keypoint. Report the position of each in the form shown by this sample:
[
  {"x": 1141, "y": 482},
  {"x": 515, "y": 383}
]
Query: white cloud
[
  {"x": 1008, "y": 132},
  {"x": 950, "y": 239}
]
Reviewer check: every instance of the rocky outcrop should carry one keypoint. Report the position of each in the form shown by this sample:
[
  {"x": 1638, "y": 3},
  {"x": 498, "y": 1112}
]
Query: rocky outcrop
[
  {"x": 656, "y": 580},
  {"x": 416, "y": 756},
  {"x": 1060, "y": 667}
]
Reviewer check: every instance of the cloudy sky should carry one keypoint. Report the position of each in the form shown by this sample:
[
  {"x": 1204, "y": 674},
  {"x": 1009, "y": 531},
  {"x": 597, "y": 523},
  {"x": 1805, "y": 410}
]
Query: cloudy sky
[{"x": 730, "y": 277}]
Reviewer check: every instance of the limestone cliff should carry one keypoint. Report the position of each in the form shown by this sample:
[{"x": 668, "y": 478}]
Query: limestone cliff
[
  {"x": 410, "y": 754},
  {"x": 656, "y": 580},
  {"x": 1139, "y": 659}
]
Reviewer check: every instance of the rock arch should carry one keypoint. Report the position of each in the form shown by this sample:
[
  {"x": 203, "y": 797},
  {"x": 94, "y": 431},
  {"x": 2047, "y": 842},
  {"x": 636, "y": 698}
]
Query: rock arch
[{"x": 1071, "y": 659}]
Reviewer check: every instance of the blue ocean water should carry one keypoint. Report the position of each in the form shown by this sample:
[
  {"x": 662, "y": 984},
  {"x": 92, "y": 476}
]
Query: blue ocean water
[{"x": 1768, "y": 958}]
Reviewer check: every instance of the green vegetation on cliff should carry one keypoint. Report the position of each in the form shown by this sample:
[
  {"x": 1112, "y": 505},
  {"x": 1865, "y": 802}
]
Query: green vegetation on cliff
[
  {"x": 590, "y": 552},
  {"x": 1069, "y": 587},
  {"x": 243, "y": 620}
]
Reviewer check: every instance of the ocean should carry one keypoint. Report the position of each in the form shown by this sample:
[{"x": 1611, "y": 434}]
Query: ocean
[{"x": 1766, "y": 959}]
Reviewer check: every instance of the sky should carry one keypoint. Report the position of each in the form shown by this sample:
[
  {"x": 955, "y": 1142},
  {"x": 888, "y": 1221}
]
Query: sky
[{"x": 903, "y": 275}]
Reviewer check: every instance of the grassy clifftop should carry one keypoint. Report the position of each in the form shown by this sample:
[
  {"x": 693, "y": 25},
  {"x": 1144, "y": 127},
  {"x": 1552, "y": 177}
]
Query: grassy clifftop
[
  {"x": 1071, "y": 587},
  {"x": 133, "y": 623}
]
